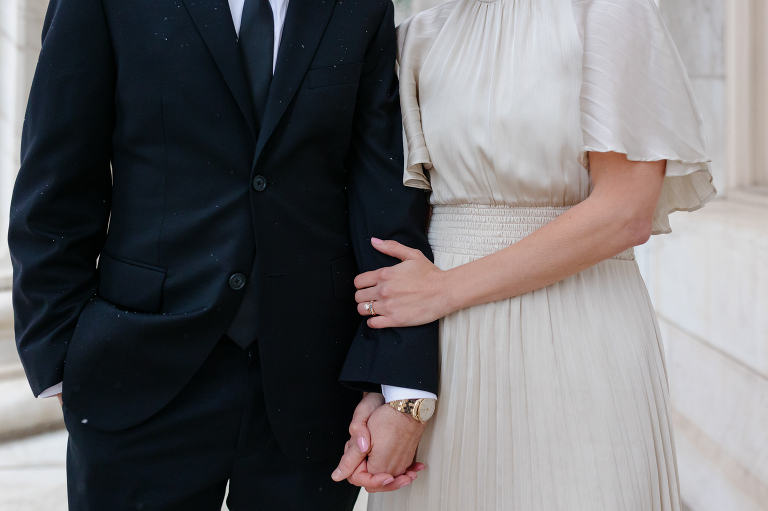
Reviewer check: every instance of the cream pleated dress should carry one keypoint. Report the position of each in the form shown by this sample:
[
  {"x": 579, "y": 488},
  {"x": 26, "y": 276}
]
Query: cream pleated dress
[{"x": 555, "y": 400}]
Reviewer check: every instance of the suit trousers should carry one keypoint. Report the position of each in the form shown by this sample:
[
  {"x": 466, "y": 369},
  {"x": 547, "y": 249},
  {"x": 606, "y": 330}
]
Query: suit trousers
[{"x": 215, "y": 432}]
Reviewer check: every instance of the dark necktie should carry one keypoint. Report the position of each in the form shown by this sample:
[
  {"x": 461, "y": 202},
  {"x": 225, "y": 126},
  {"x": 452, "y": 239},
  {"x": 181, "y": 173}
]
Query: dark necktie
[
  {"x": 257, "y": 40},
  {"x": 257, "y": 36}
]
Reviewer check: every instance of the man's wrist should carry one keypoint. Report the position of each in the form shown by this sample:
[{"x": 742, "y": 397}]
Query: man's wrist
[
  {"x": 406, "y": 419},
  {"x": 54, "y": 390}
]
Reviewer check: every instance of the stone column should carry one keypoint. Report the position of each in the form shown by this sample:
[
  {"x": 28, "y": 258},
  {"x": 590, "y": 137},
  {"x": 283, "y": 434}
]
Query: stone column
[
  {"x": 21, "y": 22},
  {"x": 20, "y": 25}
]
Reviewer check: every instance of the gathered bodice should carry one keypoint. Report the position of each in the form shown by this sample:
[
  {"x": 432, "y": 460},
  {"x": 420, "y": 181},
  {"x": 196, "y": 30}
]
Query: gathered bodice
[
  {"x": 504, "y": 99},
  {"x": 499, "y": 99}
]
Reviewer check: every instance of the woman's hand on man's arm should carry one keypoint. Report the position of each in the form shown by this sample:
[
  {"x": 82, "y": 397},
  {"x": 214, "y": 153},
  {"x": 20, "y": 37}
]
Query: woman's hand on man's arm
[{"x": 616, "y": 216}]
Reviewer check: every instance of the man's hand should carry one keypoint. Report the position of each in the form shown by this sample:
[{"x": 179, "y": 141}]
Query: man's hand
[
  {"x": 395, "y": 439},
  {"x": 354, "y": 466}
]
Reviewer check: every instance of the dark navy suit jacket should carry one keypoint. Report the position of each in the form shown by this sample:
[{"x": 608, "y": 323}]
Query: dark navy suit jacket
[{"x": 140, "y": 152}]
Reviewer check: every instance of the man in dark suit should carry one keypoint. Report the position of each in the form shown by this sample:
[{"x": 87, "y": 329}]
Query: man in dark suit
[{"x": 200, "y": 180}]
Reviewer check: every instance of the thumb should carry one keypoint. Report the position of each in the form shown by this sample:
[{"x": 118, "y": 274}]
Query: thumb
[
  {"x": 353, "y": 457},
  {"x": 358, "y": 428},
  {"x": 366, "y": 407},
  {"x": 360, "y": 442},
  {"x": 393, "y": 248}
]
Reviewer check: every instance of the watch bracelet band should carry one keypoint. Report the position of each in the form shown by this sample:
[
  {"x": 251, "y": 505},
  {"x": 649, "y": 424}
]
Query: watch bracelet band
[{"x": 407, "y": 406}]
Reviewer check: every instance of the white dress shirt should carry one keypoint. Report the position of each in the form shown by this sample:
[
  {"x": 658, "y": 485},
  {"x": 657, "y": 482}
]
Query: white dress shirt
[{"x": 279, "y": 8}]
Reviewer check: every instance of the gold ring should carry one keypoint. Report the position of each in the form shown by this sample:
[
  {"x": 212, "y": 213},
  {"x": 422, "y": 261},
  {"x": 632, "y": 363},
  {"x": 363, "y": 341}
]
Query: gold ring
[{"x": 369, "y": 308}]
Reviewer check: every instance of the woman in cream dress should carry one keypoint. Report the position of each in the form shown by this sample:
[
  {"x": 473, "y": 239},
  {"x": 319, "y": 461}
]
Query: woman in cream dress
[{"x": 553, "y": 135}]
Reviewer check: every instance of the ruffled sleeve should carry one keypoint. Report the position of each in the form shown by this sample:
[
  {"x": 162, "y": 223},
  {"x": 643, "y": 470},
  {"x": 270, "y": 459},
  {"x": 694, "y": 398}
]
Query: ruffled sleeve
[
  {"x": 636, "y": 99},
  {"x": 415, "y": 38}
]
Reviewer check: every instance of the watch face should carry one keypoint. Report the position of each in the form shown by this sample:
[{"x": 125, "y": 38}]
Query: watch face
[{"x": 426, "y": 409}]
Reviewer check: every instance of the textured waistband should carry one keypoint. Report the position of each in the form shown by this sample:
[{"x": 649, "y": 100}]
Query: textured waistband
[{"x": 479, "y": 230}]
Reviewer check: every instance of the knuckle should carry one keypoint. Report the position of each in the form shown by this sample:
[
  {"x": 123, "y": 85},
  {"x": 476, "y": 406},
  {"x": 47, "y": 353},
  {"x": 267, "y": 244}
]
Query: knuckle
[{"x": 357, "y": 427}]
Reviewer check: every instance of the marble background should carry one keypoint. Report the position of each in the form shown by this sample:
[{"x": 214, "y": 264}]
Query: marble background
[{"x": 709, "y": 283}]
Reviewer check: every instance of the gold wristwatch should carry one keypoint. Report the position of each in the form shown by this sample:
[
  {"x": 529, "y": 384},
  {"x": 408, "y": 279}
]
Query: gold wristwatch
[{"x": 420, "y": 409}]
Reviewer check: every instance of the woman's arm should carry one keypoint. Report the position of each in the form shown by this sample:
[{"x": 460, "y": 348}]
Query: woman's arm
[{"x": 616, "y": 216}]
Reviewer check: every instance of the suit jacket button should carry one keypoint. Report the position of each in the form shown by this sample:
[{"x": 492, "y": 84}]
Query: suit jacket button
[
  {"x": 259, "y": 183},
  {"x": 237, "y": 281}
]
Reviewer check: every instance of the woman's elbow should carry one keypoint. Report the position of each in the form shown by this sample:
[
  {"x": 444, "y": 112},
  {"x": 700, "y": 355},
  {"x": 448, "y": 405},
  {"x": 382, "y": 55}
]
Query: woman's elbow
[{"x": 637, "y": 230}]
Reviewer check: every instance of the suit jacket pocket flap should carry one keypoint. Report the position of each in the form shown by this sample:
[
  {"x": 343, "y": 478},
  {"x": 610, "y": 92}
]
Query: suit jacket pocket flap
[
  {"x": 334, "y": 75},
  {"x": 131, "y": 285}
]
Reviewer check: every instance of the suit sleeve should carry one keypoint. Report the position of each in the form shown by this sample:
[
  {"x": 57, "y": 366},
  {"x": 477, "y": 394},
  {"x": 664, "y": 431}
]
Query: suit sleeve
[
  {"x": 61, "y": 201},
  {"x": 380, "y": 206}
]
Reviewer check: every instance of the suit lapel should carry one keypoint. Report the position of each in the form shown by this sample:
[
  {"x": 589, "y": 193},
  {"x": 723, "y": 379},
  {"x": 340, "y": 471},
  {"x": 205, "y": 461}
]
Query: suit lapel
[
  {"x": 214, "y": 22},
  {"x": 305, "y": 23}
]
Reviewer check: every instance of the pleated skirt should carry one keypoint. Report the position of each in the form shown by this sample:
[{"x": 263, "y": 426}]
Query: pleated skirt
[{"x": 555, "y": 400}]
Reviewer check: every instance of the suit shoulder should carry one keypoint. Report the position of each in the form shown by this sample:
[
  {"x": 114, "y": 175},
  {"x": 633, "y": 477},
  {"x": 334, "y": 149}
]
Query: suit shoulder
[{"x": 373, "y": 9}]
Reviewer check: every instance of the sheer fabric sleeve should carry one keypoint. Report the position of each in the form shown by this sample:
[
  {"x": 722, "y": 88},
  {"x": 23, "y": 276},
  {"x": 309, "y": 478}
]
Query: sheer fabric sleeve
[
  {"x": 415, "y": 38},
  {"x": 636, "y": 99}
]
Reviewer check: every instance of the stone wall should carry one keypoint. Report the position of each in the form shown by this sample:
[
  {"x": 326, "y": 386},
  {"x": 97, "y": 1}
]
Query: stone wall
[{"x": 709, "y": 283}]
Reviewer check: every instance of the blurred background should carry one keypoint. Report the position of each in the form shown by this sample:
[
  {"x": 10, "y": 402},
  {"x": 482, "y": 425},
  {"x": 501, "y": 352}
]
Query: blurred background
[{"x": 708, "y": 279}]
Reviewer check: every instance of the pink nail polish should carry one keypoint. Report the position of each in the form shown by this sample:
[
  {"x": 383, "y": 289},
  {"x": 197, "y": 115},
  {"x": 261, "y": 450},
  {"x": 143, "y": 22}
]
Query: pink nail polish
[
  {"x": 376, "y": 241},
  {"x": 362, "y": 444},
  {"x": 405, "y": 484},
  {"x": 389, "y": 481}
]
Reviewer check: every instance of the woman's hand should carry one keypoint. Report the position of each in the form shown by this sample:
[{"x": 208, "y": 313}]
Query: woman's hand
[{"x": 411, "y": 293}]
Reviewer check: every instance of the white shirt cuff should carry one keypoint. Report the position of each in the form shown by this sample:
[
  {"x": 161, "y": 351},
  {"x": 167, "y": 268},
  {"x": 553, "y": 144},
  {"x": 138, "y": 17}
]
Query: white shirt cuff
[
  {"x": 51, "y": 391},
  {"x": 397, "y": 393}
]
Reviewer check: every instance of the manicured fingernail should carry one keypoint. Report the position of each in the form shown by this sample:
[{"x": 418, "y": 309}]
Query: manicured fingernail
[
  {"x": 362, "y": 444},
  {"x": 389, "y": 481},
  {"x": 376, "y": 241},
  {"x": 336, "y": 474},
  {"x": 405, "y": 484}
]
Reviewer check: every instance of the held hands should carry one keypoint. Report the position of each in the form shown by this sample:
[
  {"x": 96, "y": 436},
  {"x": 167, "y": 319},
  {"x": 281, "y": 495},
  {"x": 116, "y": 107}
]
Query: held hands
[
  {"x": 410, "y": 293},
  {"x": 379, "y": 456}
]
